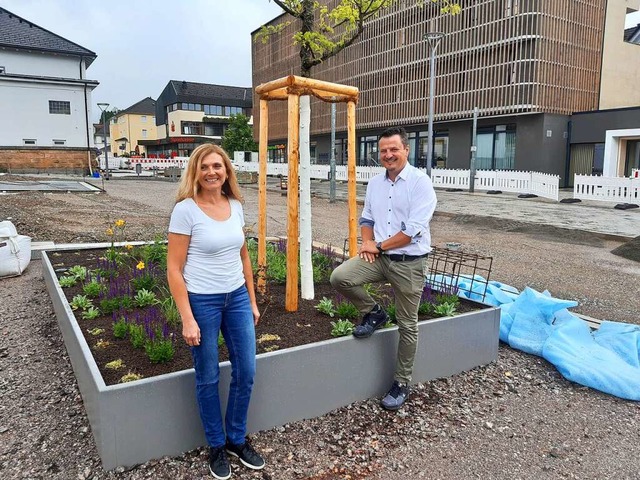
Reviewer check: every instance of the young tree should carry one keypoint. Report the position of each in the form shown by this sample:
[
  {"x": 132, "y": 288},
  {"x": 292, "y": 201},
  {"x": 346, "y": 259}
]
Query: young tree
[
  {"x": 324, "y": 32},
  {"x": 239, "y": 136}
]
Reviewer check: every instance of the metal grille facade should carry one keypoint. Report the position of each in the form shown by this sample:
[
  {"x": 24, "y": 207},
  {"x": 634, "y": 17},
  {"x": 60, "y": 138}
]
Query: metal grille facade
[{"x": 507, "y": 57}]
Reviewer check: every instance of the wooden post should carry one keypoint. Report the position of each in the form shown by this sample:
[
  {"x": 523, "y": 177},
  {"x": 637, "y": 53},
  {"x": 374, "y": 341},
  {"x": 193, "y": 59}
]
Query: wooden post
[
  {"x": 262, "y": 198},
  {"x": 351, "y": 177},
  {"x": 291, "y": 301}
]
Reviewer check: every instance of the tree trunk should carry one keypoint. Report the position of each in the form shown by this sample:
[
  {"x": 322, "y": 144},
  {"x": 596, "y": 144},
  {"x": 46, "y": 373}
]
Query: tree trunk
[{"x": 306, "y": 266}]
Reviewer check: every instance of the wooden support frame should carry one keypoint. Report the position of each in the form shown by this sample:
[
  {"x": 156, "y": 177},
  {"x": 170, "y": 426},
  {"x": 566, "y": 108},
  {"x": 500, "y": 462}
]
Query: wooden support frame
[{"x": 290, "y": 88}]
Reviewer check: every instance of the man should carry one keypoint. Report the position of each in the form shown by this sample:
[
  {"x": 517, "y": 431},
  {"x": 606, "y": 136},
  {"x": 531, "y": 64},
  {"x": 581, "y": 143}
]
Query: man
[{"x": 395, "y": 235}]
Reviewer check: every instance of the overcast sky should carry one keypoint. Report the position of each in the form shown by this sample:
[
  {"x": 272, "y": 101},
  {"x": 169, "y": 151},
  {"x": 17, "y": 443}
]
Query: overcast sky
[{"x": 142, "y": 44}]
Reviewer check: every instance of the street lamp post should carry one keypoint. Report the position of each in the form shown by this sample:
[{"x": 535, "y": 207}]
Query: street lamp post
[
  {"x": 434, "y": 39},
  {"x": 103, "y": 108}
]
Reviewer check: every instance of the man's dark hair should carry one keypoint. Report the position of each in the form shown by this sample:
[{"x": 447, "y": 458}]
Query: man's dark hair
[{"x": 390, "y": 132}]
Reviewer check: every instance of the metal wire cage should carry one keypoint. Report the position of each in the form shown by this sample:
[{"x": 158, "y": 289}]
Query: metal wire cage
[{"x": 454, "y": 271}]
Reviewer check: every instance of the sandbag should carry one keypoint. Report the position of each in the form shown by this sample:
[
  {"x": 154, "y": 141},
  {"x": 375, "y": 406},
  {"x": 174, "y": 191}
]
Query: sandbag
[{"x": 15, "y": 250}]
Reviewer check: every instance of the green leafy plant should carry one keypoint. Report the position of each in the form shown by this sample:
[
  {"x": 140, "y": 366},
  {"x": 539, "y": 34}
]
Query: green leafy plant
[
  {"x": 92, "y": 289},
  {"x": 127, "y": 302},
  {"x": 80, "y": 301},
  {"x": 159, "y": 350},
  {"x": 137, "y": 336},
  {"x": 110, "y": 305},
  {"x": 120, "y": 328},
  {"x": 144, "y": 277},
  {"x": 450, "y": 298},
  {"x": 170, "y": 309},
  {"x": 220, "y": 340},
  {"x": 391, "y": 311},
  {"x": 341, "y": 328},
  {"x": 145, "y": 297},
  {"x": 347, "y": 310},
  {"x": 155, "y": 253},
  {"x": 67, "y": 281},
  {"x": 91, "y": 313},
  {"x": 425, "y": 308},
  {"x": 78, "y": 271},
  {"x": 445, "y": 309},
  {"x": 326, "y": 306}
]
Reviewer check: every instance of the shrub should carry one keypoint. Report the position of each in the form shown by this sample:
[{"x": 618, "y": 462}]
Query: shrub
[
  {"x": 445, "y": 309},
  {"x": 391, "y": 311},
  {"x": 136, "y": 335},
  {"x": 78, "y": 271},
  {"x": 347, "y": 310},
  {"x": 159, "y": 350},
  {"x": 120, "y": 328},
  {"x": 92, "y": 289},
  {"x": 80, "y": 301},
  {"x": 68, "y": 281}
]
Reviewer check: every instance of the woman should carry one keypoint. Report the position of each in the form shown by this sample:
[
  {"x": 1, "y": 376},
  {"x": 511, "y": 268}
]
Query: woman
[{"x": 210, "y": 278}]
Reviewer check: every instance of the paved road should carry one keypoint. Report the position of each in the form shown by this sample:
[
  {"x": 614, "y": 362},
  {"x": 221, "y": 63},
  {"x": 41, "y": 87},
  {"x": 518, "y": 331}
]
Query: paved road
[{"x": 589, "y": 216}]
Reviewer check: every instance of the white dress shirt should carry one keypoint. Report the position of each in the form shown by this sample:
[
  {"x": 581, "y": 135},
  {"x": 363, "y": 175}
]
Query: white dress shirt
[{"x": 405, "y": 205}]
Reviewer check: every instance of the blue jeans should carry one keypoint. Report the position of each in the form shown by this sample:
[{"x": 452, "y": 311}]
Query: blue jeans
[{"x": 230, "y": 313}]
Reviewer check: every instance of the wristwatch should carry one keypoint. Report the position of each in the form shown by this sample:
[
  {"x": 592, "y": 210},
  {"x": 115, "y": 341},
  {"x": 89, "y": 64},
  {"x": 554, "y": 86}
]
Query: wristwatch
[{"x": 379, "y": 247}]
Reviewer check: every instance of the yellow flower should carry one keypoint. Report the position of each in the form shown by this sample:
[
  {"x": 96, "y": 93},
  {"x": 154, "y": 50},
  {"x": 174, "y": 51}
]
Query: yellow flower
[
  {"x": 119, "y": 223},
  {"x": 140, "y": 265},
  {"x": 128, "y": 246},
  {"x": 109, "y": 231}
]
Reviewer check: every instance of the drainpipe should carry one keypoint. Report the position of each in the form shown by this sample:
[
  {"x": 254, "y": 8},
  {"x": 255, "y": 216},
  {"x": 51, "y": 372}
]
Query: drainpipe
[{"x": 86, "y": 119}]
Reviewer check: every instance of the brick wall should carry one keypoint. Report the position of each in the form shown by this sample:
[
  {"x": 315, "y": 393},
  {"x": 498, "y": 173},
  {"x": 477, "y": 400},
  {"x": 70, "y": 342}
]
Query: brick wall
[{"x": 42, "y": 160}]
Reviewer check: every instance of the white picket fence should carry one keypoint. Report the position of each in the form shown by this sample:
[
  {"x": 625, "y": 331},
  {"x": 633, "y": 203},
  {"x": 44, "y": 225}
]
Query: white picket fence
[
  {"x": 541, "y": 184},
  {"x": 606, "y": 189}
]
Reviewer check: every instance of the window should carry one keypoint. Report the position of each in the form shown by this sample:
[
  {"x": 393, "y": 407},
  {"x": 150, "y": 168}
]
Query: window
[
  {"x": 144, "y": 133},
  {"x": 29, "y": 141},
  {"x": 213, "y": 110},
  {"x": 192, "y": 128},
  {"x": 214, "y": 129},
  {"x": 59, "y": 107},
  {"x": 143, "y": 119},
  {"x": 59, "y": 142},
  {"x": 496, "y": 148},
  {"x": 2, "y": 70},
  {"x": 233, "y": 110}
]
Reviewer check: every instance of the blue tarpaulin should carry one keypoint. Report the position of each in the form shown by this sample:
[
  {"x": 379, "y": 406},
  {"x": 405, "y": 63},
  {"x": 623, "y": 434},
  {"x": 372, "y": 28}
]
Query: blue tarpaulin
[{"x": 607, "y": 359}]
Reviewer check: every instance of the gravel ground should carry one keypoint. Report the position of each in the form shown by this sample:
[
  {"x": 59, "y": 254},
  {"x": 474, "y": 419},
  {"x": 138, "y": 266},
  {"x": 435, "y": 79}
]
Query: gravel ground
[{"x": 515, "y": 418}]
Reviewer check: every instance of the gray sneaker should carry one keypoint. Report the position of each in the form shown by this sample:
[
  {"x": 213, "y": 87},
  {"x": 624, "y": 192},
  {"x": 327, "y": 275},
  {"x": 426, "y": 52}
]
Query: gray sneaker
[{"x": 396, "y": 397}]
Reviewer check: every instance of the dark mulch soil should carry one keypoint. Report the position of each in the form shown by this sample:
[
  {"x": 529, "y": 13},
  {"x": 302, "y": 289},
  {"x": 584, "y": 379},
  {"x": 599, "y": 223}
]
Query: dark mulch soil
[{"x": 306, "y": 325}]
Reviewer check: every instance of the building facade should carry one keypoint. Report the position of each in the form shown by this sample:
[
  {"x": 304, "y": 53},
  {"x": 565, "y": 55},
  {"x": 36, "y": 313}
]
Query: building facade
[
  {"x": 526, "y": 65},
  {"x": 189, "y": 114},
  {"x": 45, "y": 100},
  {"x": 131, "y": 126}
]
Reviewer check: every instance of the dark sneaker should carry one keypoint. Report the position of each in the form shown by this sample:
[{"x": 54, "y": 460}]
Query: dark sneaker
[
  {"x": 219, "y": 463},
  {"x": 371, "y": 322},
  {"x": 247, "y": 455},
  {"x": 396, "y": 397}
]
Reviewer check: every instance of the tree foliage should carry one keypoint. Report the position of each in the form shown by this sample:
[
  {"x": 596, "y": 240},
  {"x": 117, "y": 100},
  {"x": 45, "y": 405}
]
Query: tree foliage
[
  {"x": 239, "y": 136},
  {"x": 327, "y": 31}
]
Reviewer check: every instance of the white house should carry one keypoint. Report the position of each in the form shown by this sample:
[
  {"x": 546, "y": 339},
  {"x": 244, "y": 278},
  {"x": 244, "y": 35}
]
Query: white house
[{"x": 45, "y": 99}]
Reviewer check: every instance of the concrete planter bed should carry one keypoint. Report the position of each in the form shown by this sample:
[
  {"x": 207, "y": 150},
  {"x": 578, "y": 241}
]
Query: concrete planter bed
[{"x": 153, "y": 417}]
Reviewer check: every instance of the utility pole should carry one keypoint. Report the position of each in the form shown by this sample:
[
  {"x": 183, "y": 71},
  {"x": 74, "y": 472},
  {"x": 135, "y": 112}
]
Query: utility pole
[
  {"x": 434, "y": 39},
  {"x": 474, "y": 148}
]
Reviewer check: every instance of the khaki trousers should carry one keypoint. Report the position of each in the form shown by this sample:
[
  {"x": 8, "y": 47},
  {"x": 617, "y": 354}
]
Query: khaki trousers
[{"x": 407, "y": 280}]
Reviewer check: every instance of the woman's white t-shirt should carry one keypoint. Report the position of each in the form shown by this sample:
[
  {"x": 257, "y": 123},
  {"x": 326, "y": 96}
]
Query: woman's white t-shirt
[{"x": 213, "y": 259}]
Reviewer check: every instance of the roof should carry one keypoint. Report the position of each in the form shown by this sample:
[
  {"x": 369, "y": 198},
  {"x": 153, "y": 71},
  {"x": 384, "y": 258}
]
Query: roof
[
  {"x": 146, "y": 106},
  {"x": 207, "y": 93},
  {"x": 16, "y": 32}
]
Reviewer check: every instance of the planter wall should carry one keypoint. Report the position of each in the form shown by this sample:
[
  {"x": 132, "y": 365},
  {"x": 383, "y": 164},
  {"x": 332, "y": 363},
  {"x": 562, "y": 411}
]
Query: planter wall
[{"x": 158, "y": 416}]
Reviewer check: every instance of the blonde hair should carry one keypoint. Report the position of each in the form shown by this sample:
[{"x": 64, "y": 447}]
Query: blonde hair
[{"x": 189, "y": 185}]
